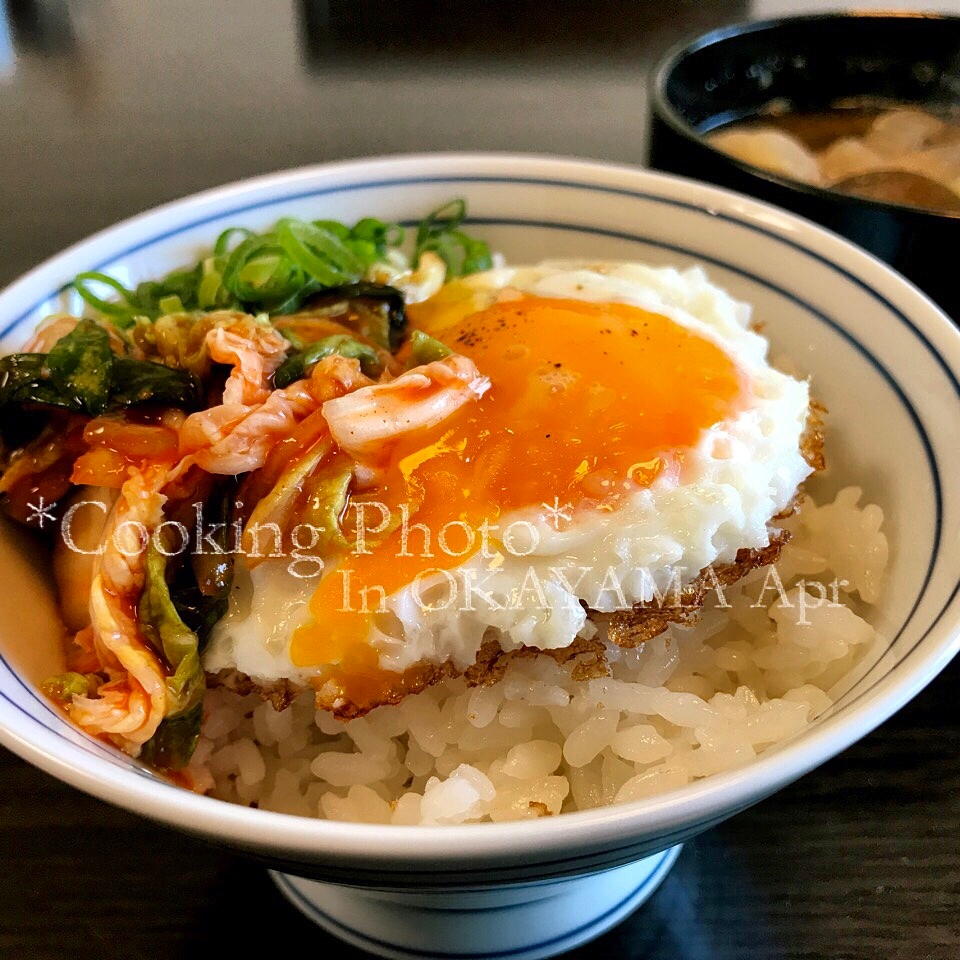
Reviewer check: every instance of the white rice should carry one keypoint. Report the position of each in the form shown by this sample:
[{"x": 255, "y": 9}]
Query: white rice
[{"x": 687, "y": 704}]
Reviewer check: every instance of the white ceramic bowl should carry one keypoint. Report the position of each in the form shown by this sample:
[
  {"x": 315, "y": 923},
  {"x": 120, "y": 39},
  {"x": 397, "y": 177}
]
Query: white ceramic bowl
[{"x": 882, "y": 357}]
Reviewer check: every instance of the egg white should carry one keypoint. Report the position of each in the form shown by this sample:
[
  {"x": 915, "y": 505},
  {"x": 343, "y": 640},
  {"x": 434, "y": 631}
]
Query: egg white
[{"x": 742, "y": 472}]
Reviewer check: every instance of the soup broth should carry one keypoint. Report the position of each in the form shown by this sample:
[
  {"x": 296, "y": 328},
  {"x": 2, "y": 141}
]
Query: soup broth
[{"x": 898, "y": 154}]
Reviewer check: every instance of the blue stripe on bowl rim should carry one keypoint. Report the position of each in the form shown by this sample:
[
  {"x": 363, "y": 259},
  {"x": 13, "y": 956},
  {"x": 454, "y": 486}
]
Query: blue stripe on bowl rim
[
  {"x": 643, "y": 890},
  {"x": 104, "y": 752},
  {"x": 570, "y": 865}
]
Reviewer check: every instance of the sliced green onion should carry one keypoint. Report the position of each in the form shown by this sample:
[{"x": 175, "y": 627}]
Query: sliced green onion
[
  {"x": 320, "y": 253},
  {"x": 442, "y": 220},
  {"x": 211, "y": 293},
  {"x": 222, "y": 246},
  {"x": 338, "y": 229},
  {"x": 280, "y": 270},
  {"x": 376, "y": 236},
  {"x": 439, "y": 233},
  {"x": 110, "y": 308},
  {"x": 171, "y": 305},
  {"x": 296, "y": 300},
  {"x": 260, "y": 270}
]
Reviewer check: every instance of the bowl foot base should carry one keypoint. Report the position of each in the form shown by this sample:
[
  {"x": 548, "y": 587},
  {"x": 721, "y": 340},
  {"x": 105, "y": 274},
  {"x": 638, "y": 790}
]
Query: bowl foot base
[{"x": 516, "y": 921}]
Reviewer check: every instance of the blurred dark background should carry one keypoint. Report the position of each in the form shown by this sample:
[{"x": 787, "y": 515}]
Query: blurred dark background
[
  {"x": 108, "y": 107},
  {"x": 439, "y": 31}
]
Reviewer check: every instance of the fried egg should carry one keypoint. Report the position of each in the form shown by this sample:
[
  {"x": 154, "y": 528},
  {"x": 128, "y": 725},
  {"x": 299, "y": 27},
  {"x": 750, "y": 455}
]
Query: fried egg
[{"x": 633, "y": 433}]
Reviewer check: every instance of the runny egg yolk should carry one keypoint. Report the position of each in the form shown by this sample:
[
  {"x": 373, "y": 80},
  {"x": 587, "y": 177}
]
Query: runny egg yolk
[{"x": 588, "y": 402}]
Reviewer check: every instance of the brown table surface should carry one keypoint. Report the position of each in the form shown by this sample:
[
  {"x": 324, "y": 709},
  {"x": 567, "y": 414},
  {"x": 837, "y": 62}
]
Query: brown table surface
[{"x": 108, "y": 107}]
